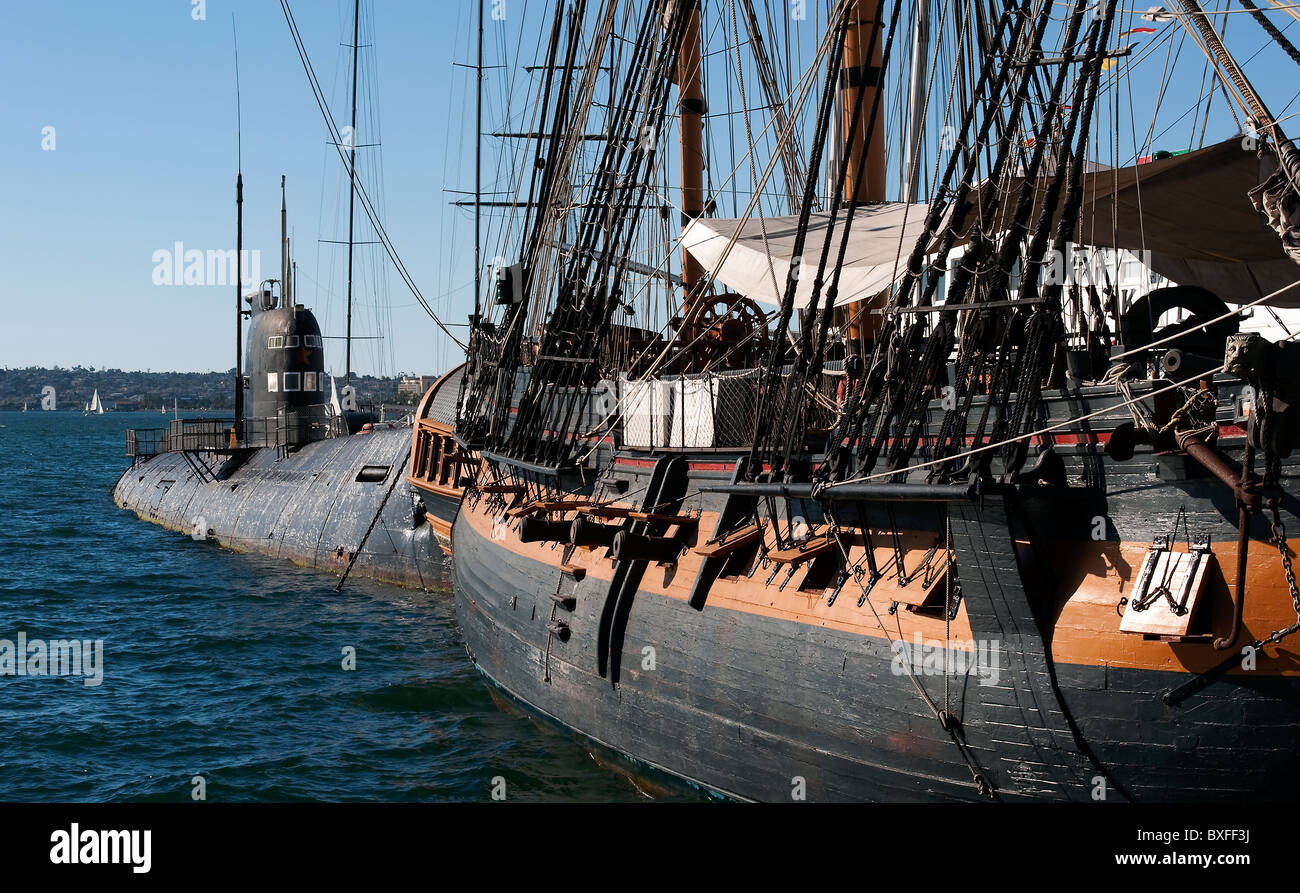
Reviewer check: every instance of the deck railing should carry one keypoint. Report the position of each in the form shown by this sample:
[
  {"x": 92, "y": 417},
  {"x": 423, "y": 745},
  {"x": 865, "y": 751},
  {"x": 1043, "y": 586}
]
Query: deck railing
[
  {"x": 225, "y": 436},
  {"x": 141, "y": 443}
]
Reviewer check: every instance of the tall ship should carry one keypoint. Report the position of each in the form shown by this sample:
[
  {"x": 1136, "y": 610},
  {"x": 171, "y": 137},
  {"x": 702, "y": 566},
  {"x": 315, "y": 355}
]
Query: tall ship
[{"x": 817, "y": 469}]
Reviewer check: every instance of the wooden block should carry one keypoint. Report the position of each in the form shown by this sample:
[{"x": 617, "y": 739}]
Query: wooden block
[
  {"x": 736, "y": 539},
  {"x": 914, "y": 596},
  {"x": 815, "y": 546}
]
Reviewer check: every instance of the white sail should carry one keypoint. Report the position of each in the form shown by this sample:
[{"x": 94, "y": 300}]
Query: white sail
[
  {"x": 334, "y": 398},
  {"x": 95, "y": 406}
]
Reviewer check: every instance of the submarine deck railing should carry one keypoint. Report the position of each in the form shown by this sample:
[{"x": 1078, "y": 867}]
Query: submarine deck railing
[{"x": 224, "y": 436}]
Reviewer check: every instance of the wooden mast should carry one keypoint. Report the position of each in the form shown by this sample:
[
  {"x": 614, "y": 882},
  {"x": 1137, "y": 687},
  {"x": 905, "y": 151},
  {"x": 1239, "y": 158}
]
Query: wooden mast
[
  {"x": 861, "y": 72},
  {"x": 691, "y": 107},
  {"x": 478, "y": 170}
]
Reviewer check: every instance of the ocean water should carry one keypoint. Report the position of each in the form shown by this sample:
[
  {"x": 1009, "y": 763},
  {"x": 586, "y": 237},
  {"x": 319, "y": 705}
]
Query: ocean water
[{"x": 229, "y": 667}]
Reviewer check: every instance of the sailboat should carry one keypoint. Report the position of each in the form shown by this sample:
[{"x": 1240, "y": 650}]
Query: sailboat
[
  {"x": 94, "y": 407},
  {"x": 945, "y": 521}
]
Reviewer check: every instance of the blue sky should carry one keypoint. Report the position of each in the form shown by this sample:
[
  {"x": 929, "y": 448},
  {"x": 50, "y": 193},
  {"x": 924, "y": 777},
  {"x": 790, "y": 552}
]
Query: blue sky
[{"x": 141, "y": 99}]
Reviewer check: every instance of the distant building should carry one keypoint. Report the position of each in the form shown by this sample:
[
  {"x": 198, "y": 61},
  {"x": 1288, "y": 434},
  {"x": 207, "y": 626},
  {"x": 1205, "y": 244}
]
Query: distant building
[
  {"x": 130, "y": 404},
  {"x": 415, "y": 386}
]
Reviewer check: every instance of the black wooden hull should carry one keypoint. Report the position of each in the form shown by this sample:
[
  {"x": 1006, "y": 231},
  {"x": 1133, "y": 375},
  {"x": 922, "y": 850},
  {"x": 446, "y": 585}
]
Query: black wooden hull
[
  {"x": 747, "y": 706},
  {"x": 748, "y": 703}
]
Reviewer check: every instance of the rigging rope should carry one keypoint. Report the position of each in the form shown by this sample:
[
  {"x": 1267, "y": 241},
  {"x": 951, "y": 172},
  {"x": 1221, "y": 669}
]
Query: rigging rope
[
  {"x": 1278, "y": 37},
  {"x": 337, "y": 138}
]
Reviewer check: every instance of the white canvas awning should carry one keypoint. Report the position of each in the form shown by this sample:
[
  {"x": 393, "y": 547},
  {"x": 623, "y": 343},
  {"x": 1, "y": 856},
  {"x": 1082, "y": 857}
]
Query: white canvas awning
[
  {"x": 879, "y": 244},
  {"x": 1192, "y": 212}
]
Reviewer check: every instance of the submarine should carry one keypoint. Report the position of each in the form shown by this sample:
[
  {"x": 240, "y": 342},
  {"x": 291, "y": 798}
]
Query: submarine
[
  {"x": 292, "y": 480},
  {"x": 300, "y": 476}
]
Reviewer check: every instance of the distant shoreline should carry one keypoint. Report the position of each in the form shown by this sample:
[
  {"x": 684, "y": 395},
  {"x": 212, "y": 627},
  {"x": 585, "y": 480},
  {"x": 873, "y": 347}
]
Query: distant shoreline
[{"x": 152, "y": 391}]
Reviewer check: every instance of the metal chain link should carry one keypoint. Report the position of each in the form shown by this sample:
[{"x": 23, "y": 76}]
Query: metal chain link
[{"x": 1279, "y": 537}]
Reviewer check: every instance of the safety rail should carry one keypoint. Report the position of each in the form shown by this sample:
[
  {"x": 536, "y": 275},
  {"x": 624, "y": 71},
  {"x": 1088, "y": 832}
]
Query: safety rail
[
  {"x": 141, "y": 443},
  {"x": 225, "y": 436}
]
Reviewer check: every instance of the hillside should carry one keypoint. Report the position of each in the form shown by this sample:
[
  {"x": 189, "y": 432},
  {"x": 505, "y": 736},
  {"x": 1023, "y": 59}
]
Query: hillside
[{"x": 150, "y": 390}]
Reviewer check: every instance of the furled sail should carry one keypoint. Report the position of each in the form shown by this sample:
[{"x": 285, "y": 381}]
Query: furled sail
[{"x": 881, "y": 238}]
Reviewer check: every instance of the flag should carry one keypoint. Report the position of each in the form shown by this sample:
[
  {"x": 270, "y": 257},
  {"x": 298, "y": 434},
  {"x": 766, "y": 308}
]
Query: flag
[{"x": 1113, "y": 61}]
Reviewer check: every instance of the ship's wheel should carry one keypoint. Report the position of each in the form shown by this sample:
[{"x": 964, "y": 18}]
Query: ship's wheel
[{"x": 730, "y": 333}]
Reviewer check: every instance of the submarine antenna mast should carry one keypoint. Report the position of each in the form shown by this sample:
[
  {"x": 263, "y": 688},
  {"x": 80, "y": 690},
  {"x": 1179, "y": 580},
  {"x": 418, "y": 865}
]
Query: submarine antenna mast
[
  {"x": 284, "y": 247},
  {"x": 352, "y": 176},
  {"x": 239, "y": 243}
]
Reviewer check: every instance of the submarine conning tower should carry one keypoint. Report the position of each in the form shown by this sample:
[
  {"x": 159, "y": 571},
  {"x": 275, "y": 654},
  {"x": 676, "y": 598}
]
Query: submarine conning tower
[{"x": 287, "y": 402}]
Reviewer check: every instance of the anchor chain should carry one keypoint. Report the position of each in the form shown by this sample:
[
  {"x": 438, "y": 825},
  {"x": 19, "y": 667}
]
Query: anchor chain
[{"x": 1279, "y": 538}]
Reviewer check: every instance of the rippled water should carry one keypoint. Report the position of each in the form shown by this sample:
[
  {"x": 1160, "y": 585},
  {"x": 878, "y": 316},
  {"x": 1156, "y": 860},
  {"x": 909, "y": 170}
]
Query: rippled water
[{"x": 229, "y": 666}]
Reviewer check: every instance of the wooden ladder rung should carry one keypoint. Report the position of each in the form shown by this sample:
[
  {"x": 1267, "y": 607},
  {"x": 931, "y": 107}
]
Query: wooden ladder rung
[
  {"x": 815, "y": 546},
  {"x": 734, "y": 540},
  {"x": 573, "y": 570}
]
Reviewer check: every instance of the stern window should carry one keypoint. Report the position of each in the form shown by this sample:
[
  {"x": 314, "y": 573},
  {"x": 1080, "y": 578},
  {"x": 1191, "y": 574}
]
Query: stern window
[{"x": 275, "y": 341}]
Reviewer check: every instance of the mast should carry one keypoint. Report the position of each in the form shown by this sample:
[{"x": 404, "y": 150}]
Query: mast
[
  {"x": 861, "y": 71},
  {"x": 916, "y": 102},
  {"x": 284, "y": 246},
  {"x": 239, "y": 310},
  {"x": 478, "y": 168},
  {"x": 691, "y": 105},
  {"x": 239, "y": 243},
  {"x": 352, "y": 178}
]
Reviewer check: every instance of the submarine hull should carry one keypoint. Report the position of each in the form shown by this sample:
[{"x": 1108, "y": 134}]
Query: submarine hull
[{"x": 325, "y": 505}]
